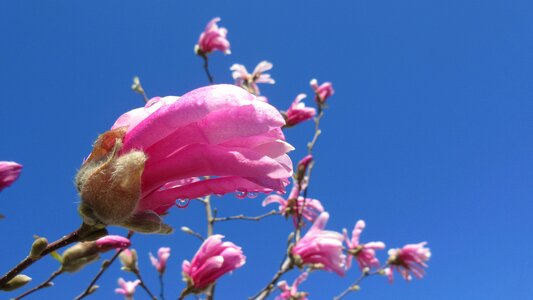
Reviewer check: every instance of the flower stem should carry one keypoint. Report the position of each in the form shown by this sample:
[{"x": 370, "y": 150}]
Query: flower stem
[
  {"x": 210, "y": 293},
  {"x": 44, "y": 284},
  {"x": 206, "y": 69},
  {"x": 355, "y": 285},
  {"x": 73, "y": 237},
  {"x": 285, "y": 267},
  {"x": 161, "y": 287},
  {"x": 243, "y": 217},
  {"x": 138, "y": 274}
]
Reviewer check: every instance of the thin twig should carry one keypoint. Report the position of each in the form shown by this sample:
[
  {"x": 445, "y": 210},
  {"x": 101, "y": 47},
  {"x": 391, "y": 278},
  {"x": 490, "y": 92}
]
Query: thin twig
[
  {"x": 355, "y": 285},
  {"x": 243, "y": 217},
  {"x": 138, "y": 274},
  {"x": 73, "y": 237},
  {"x": 206, "y": 69},
  {"x": 263, "y": 294},
  {"x": 161, "y": 287},
  {"x": 210, "y": 293},
  {"x": 44, "y": 284},
  {"x": 103, "y": 268}
]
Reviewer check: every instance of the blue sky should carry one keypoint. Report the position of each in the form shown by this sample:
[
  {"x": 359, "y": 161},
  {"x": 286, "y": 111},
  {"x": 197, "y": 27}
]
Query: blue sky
[{"x": 428, "y": 137}]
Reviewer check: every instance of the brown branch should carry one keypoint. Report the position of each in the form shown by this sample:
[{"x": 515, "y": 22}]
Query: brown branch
[
  {"x": 44, "y": 284},
  {"x": 243, "y": 217}
]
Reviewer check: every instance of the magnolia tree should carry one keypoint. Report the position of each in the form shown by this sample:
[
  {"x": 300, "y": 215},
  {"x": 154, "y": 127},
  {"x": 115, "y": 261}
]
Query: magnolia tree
[{"x": 214, "y": 140}]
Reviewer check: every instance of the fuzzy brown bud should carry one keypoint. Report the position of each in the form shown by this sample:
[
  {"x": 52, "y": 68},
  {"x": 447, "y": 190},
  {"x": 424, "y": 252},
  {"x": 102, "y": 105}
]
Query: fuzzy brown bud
[{"x": 109, "y": 184}]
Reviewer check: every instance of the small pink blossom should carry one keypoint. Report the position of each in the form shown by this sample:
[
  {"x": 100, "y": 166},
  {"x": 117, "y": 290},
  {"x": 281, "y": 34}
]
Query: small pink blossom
[
  {"x": 214, "y": 259},
  {"x": 409, "y": 259},
  {"x": 249, "y": 81},
  {"x": 213, "y": 38},
  {"x": 322, "y": 92},
  {"x": 109, "y": 242},
  {"x": 160, "y": 152},
  {"x": 319, "y": 246},
  {"x": 291, "y": 292},
  {"x": 9, "y": 173},
  {"x": 160, "y": 263},
  {"x": 298, "y": 112},
  {"x": 290, "y": 207},
  {"x": 303, "y": 165},
  {"x": 365, "y": 254},
  {"x": 127, "y": 288}
]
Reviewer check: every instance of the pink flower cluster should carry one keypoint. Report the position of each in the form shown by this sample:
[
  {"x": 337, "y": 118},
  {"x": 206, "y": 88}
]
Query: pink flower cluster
[
  {"x": 310, "y": 208},
  {"x": 160, "y": 263},
  {"x": 298, "y": 112},
  {"x": 410, "y": 259},
  {"x": 9, "y": 173},
  {"x": 249, "y": 81},
  {"x": 213, "y": 38},
  {"x": 322, "y": 92},
  {"x": 365, "y": 254},
  {"x": 127, "y": 288},
  {"x": 291, "y": 292},
  {"x": 319, "y": 246},
  {"x": 214, "y": 259}
]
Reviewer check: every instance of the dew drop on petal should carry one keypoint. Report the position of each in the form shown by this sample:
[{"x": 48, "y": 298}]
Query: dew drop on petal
[
  {"x": 241, "y": 193},
  {"x": 182, "y": 203},
  {"x": 253, "y": 195}
]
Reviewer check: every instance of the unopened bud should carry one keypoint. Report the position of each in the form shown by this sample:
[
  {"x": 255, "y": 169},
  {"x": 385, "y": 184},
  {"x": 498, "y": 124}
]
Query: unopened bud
[
  {"x": 136, "y": 86},
  {"x": 38, "y": 246},
  {"x": 15, "y": 283},
  {"x": 355, "y": 287},
  {"x": 92, "y": 289},
  {"x": 110, "y": 185},
  {"x": 78, "y": 256},
  {"x": 128, "y": 259},
  {"x": 186, "y": 229}
]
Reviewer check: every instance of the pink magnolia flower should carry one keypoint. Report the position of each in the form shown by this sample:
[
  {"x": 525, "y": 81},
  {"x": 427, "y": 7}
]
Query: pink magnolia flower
[
  {"x": 319, "y": 246},
  {"x": 109, "y": 242},
  {"x": 291, "y": 292},
  {"x": 322, "y": 92},
  {"x": 409, "y": 259},
  {"x": 9, "y": 173},
  {"x": 365, "y": 254},
  {"x": 160, "y": 263},
  {"x": 213, "y": 38},
  {"x": 249, "y": 81},
  {"x": 290, "y": 207},
  {"x": 298, "y": 112},
  {"x": 214, "y": 259},
  {"x": 127, "y": 288},
  {"x": 158, "y": 154}
]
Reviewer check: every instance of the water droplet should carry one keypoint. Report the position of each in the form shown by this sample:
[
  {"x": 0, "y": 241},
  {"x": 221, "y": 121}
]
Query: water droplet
[
  {"x": 241, "y": 193},
  {"x": 182, "y": 203},
  {"x": 253, "y": 195},
  {"x": 219, "y": 195}
]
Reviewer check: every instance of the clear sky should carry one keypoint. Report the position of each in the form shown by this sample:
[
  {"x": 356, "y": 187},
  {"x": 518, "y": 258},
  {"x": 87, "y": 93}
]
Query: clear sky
[{"x": 428, "y": 137}]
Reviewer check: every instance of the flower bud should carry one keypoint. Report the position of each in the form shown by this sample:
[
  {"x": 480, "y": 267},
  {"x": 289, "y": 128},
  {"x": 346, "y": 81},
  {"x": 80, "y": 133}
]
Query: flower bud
[
  {"x": 38, "y": 246},
  {"x": 109, "y": 184},
  {"x": 15, "y": 283},
  {"x": 128, "y": 259},
  {"x": 78, "y": 256}
]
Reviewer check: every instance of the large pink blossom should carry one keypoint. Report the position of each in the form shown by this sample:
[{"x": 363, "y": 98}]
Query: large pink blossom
[
  {"x": 322, "y": 92},
  {"x": 160, "y": 263},
  {"x": 410, "y": 259},
  {"x": 213, "y": 38},
  {"x": 220, "y": 131},
  {"x": 127, "y": 288},
  {"x": 249, "y": 81},
  {"x": 9, "y": 173},
  {"x": 214, "y": 259},
  {"x": 319, "y": 246},
  {"x": 298, "y": 112},
  {"x": 365, "y": 254},
  {"x": 310, "y": 208},
  {"x": 291, "y": 292}
]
